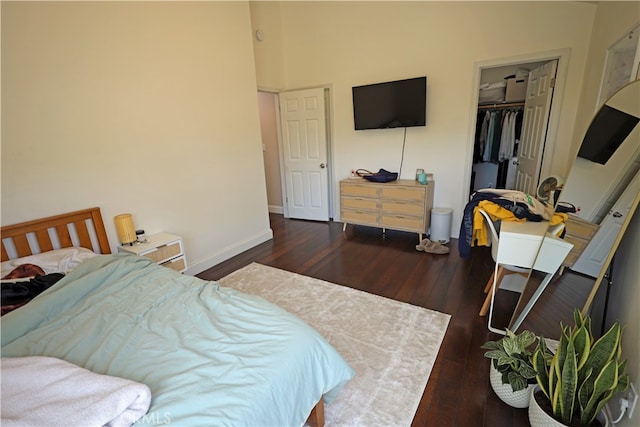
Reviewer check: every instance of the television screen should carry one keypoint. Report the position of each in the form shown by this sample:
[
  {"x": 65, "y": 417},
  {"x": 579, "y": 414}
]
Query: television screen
[
  {"x": 400, "y": 103},
  {"x": 609, "y": 128}
]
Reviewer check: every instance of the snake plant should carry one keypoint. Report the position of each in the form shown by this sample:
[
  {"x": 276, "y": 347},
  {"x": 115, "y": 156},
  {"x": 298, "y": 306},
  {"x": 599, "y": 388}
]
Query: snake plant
[
  {"x": 583, "y": 374},
  {"x": 511, "y": 356}
]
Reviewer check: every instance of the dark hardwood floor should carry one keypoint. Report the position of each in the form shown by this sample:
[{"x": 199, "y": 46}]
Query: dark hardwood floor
[{"x": 458, "y": 392}]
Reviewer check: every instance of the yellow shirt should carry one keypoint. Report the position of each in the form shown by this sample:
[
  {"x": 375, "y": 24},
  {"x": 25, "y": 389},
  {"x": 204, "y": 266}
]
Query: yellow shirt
[{"x": 480, "y": 235}]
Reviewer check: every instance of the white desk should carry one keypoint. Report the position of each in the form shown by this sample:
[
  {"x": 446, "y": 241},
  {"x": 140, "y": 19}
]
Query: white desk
[{"x": 522, "y": 244}]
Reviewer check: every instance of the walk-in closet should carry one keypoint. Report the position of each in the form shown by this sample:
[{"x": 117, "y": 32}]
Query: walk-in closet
[
  {"x": 498, "y": 133},
  {"x": 500, "y": 122}
]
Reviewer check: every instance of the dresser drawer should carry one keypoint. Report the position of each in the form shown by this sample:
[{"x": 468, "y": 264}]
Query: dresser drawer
[
  {"x": 178, "y": 264},
  {"x": 400, "y": 207},
  {"x": 571, "y": 259},
  {"x": 362, "y": 217},
  {"x": 578, "y": 243},
  {"x": 354, "y": 189},
  {"x": 410, "y": 223},
  {"x": 359, "y": 203},
  {"x": 580, "y": 228},
  {"x": 164, "y": 252},
  {"x": 403, "y": 193}
]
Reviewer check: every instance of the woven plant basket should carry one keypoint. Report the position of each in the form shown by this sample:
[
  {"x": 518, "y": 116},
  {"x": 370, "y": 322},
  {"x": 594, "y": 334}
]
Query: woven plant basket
[
  {"x": 516, "y": 399},
  {"x": 538, "y": 417}
]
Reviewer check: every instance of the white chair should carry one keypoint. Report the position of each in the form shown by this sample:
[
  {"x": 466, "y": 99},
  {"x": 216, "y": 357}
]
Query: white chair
[{"x": 503, "y": 269}]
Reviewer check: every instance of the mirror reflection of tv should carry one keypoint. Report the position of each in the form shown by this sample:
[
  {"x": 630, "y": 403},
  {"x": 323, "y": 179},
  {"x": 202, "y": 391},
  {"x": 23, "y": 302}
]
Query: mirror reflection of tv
[
  {"x": 400, "y": 103},
  {"x": 608, "y": 130}
]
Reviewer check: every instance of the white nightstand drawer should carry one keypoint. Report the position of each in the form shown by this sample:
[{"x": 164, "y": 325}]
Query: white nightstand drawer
[
  {"x": 165, "y": 252},
  {"x": 163, "y": 248},
  {"x": 178, "y": 264}
]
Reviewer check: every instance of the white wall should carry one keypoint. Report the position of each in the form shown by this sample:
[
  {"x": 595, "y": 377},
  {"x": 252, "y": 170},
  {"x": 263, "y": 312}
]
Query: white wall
[
  {"x": 145, "y": 107},
  {"x": 343, "y": 44}
]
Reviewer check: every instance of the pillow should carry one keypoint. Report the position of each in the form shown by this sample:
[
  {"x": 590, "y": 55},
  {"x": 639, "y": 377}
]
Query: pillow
[{"x": 55, "y": 261}]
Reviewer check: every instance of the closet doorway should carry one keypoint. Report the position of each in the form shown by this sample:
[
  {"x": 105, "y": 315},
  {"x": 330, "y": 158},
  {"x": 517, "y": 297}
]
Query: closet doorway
[
  {"x": 269, "y": 128},
  {"x": 289, "y": 146},
  {"x": 513, "y": 124}
]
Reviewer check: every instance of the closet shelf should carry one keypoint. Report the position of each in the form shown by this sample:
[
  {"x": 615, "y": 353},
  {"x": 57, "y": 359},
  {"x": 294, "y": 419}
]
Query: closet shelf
[{"x": 501, "y": 105}]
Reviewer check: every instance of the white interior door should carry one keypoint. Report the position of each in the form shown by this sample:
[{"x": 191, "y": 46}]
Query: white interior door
[
  {"x": 534, "y": 126},
  {"x": 304, "y": 143}
]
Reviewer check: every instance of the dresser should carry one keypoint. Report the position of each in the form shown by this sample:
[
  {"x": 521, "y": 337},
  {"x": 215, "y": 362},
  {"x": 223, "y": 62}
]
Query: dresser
[
  {"x": 403, "y": 204},
  {"x": 579, "y": 233}
]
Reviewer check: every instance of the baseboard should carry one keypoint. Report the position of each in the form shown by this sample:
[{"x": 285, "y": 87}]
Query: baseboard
[
  {"x": 228, "y": 252},
  {"x": 276, "y": 209}
]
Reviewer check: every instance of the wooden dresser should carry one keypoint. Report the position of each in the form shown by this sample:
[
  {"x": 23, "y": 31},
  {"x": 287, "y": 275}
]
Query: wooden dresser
[
  {"x": 398, "y": 205},
  {"x": 579, "y": 233}
]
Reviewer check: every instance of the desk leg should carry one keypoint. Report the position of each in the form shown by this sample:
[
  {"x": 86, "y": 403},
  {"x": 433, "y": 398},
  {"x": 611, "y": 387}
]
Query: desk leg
[
  {"x": 527, "y": 308},
  {"x": 493, "y": 296}
]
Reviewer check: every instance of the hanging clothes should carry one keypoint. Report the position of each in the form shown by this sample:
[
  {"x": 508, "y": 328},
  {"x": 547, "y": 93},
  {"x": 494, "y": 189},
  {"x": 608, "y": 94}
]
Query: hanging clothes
[
  {"x": 486, "y": 152},
  {"x": 497, "y": 134},
  {"x": 508, "y": 136},
  {"x": 481, "y": 136}
]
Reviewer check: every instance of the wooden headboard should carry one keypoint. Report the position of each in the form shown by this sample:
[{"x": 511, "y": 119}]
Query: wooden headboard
[{"x": 77, "y": 224}]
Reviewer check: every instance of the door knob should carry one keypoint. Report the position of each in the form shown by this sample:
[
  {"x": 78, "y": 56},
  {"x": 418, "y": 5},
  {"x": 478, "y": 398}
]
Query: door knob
[
  {"x": 322, "y": 166},
  {"x": 516, "y": 162}
]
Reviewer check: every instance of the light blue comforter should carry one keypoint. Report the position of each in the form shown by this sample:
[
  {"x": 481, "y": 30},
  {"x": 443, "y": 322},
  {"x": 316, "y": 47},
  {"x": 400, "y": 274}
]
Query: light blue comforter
[{"x": 210, "y": 355}]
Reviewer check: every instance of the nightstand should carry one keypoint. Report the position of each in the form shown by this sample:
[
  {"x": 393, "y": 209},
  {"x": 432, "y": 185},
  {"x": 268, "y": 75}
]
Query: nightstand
[{"x": 164, "y": 248}]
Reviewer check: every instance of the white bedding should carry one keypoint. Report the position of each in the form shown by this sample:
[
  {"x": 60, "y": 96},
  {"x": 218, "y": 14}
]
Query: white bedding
[
  {"x": 55, "y": 261},
  {"x": 46, "y": 391}
]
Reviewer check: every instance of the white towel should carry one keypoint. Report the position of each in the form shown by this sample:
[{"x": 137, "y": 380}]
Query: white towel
[{"x": 45, "y": 391}]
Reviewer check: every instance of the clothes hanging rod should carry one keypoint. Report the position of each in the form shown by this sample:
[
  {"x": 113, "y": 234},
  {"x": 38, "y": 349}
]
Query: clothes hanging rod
[{"x": 503, "y": 105}]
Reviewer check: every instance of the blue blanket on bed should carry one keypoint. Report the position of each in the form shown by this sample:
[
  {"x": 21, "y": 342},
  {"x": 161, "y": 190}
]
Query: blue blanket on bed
[{"x": 210, "y": 355}]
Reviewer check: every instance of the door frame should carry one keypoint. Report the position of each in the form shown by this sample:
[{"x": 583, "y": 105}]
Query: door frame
[
  {"x": 330, "y": 149},
  {"x": 562, "y": 55}
]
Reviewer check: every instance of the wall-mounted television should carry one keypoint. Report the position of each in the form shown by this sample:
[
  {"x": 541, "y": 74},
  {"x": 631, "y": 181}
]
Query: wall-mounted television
[
  {"x": 609, "y": 128},
  {"x": 399, "y": 103}
]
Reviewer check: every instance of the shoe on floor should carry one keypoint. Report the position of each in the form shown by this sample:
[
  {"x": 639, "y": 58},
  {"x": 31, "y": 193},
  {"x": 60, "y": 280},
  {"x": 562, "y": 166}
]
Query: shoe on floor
[
  {"x": 423, "y": 243},
  {"x": 427, "y": 245}
]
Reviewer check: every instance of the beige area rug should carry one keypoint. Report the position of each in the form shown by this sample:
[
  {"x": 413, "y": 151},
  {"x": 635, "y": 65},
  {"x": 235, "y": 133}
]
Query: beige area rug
[{"x": 392, "y": 346}]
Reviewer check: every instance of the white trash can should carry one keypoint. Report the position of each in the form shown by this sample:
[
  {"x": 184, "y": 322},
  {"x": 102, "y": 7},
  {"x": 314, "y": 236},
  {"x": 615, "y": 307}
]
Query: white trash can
[{"x": 441, "y": 225}]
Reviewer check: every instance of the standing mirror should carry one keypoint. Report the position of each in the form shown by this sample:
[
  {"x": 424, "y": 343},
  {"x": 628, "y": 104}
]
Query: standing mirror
[{"x": 604, "y": 187}]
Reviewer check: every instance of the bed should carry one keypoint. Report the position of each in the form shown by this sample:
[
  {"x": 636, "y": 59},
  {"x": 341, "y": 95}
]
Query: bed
[{"x": 208, "y": 354}]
